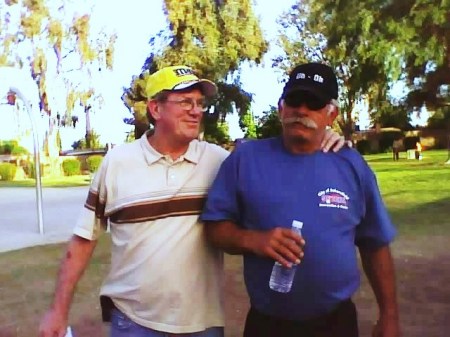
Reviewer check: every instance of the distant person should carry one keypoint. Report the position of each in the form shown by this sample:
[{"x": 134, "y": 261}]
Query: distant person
[
  {"x": 164, "y": 279},
  {"x": 397, "y": 146},
  {"x": 264, "y": 185},
  {"x": 418, "y": 152}
]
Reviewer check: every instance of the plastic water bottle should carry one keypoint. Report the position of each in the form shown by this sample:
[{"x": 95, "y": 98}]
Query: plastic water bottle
[
  {"x": 282, "y": 277},
  {"x": 69, "y": 332}
]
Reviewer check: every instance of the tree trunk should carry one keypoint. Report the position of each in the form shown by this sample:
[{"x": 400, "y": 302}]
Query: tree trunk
[
  {"x": 346, "y": 124},
  {"x": 88, "y": 135}
]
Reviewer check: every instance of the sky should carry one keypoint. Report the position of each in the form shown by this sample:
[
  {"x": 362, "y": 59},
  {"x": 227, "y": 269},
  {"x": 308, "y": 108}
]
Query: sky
[{"x": 135, "y": 21}]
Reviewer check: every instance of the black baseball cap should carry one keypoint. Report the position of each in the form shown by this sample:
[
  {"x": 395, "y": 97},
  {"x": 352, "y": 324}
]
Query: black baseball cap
[{"x": 316, "y": 78}]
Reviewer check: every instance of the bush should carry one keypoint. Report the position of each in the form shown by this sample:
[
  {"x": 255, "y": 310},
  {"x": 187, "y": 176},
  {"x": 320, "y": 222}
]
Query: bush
[
  {"x": 12, "y": 147},
  {"x": 386, "y": 139},
  {"x": 7, "y": 171},
  {"x": 93, "y": 162},
  {"x": 363, "y": 146},
  {"x": 19, "y": 150},
  {"x": 71, "y": 167},
  {"x": 410, "y": 142},
  {"x": 29, "y": 169},
  {"x": 7, "y": 146}
]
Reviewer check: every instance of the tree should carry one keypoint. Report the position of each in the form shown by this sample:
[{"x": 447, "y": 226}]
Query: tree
[
  {"x": 247, "y": 124},
  {"x": 308, "y": 34},
  {"x": 440, "y": 119},
  {"x": 218, "y": 134},
  {"x": 212, "y": 37},
  {"x": 269, "y": 124},
  {"x": 396, "y": 116},
  {"x": 63, "y": 54},
  {"x": 400, "y": 39}
]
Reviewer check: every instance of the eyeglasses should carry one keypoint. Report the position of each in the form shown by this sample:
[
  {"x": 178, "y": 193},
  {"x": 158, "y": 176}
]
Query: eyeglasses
[
  {"x": 189, "y": 104},
  {"x": 311, "y": 101}
]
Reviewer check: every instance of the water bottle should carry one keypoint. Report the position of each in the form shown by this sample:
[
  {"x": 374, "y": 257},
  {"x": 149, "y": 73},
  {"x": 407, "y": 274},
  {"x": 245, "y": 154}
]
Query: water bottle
[
  {"x": 69, "y": 332},
  {"x": 282, "y": 277}
]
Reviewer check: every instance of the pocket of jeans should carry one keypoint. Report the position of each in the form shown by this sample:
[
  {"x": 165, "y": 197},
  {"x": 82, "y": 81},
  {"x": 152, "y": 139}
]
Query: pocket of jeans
[{"x": 120, "y": 321}]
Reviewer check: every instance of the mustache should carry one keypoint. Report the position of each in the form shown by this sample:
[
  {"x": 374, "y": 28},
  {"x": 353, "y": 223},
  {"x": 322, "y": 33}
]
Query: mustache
[{"x": 309, "y": 123}]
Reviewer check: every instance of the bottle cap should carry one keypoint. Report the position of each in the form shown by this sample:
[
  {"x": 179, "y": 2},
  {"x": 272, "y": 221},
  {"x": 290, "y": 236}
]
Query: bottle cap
[{"x": 297, "y": 224}]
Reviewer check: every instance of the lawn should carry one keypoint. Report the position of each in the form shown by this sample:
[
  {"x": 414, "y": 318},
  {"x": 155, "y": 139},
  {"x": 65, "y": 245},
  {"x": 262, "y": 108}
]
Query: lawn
[
  {"x": 77, "y": 180},
  {"x": 417, "y": 194}
]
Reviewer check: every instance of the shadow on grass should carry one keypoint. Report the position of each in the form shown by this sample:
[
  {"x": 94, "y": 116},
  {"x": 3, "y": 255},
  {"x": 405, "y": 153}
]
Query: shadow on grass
[{"x": 428, "y": 218}]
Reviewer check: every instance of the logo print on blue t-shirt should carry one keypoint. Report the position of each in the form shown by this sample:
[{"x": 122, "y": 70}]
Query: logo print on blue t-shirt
[{"x": 333, "y": 198}]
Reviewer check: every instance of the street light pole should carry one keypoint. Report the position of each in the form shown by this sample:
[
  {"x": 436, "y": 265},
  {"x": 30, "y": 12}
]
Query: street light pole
[
  {"x": 37, "y": 160},
  {"x": 13, "y": 80}
]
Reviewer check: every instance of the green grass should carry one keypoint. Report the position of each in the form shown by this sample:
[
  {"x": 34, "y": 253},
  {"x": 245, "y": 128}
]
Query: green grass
[
  {"x": 78, "y": 180},
  {"x": 27, "y": 279},
  {"x": 416, "y": 192}
]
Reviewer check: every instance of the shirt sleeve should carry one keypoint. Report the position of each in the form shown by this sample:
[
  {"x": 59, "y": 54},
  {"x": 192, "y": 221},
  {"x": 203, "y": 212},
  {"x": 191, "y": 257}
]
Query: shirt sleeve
[
  {"x": 222, "y": 201},
  {"x": 92, "y": 220},
  {"x": 376, "y": 228}
]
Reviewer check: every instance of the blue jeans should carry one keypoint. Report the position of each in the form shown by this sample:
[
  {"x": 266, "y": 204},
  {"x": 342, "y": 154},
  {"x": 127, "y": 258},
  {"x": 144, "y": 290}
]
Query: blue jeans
[{"x": 122, "y": 326}]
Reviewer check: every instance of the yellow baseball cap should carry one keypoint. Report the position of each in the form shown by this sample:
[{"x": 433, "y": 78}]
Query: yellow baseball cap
[{"x": 177, "y": 78}]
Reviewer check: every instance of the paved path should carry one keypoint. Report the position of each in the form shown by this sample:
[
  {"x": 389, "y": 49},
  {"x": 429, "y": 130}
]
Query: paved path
[{"x": 19, "y": 221}]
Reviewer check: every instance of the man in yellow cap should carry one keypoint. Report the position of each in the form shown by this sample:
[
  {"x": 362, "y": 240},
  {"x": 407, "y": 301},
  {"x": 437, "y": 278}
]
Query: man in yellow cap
[{"x": 164, "y": 277}]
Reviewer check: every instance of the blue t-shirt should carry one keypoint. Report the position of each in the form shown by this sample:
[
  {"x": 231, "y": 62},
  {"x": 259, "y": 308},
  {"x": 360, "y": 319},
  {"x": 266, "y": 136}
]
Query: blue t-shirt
[{"x": 261, "y": 186}]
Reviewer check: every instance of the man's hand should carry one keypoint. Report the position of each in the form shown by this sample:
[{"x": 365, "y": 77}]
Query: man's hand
[
  {"x": 332, "y": 140},
  {"x": 78, "y": 253},
  {"x": 281, "y": 244},
  {"x": 379, "y": 268},
  {"x": 386, "y": 328},
  {"x": 53, "y": 325}
]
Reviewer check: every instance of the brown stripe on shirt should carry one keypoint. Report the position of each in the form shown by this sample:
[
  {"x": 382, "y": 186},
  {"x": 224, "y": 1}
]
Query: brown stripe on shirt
[
  {"x": 94, "y": 204},
  {"x": 159, "y": 209}
]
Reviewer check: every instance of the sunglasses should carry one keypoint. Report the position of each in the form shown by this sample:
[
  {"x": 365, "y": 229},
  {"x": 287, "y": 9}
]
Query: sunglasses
[{"x": 311, "y": 101}]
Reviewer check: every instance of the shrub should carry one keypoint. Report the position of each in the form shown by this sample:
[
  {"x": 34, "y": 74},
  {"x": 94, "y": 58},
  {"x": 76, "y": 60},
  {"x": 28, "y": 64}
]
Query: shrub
[
  {"x": 71, "y": 167},
  {"x": 12, "y": 147},
  {"x": 93, "y": 162},
  {"x": 363, "y": 146},
  {"x": 29, "y": 169},
  {"x": 410, "y": 142},
  {"x": 7, "y": 146},
  {"x": 386, "y": 139},
  {"x": 19, "y": 150},
  {"x": 7, "y": 171}
]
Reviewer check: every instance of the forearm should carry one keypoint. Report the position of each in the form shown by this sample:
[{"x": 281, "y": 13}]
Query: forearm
[
  {"x": 78, "y": 254},
  {"x": 227, "y": 236},
  {"x": 280, "y": 244},
  {"x": 379, "y": 268}
]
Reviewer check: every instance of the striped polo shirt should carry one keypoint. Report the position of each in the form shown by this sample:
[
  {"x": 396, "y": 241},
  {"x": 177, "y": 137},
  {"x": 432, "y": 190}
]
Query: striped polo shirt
[{"x": 163, "y": 275}]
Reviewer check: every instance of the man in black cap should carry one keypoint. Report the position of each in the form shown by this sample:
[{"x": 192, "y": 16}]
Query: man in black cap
[{"x": 266, "y": 185}]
